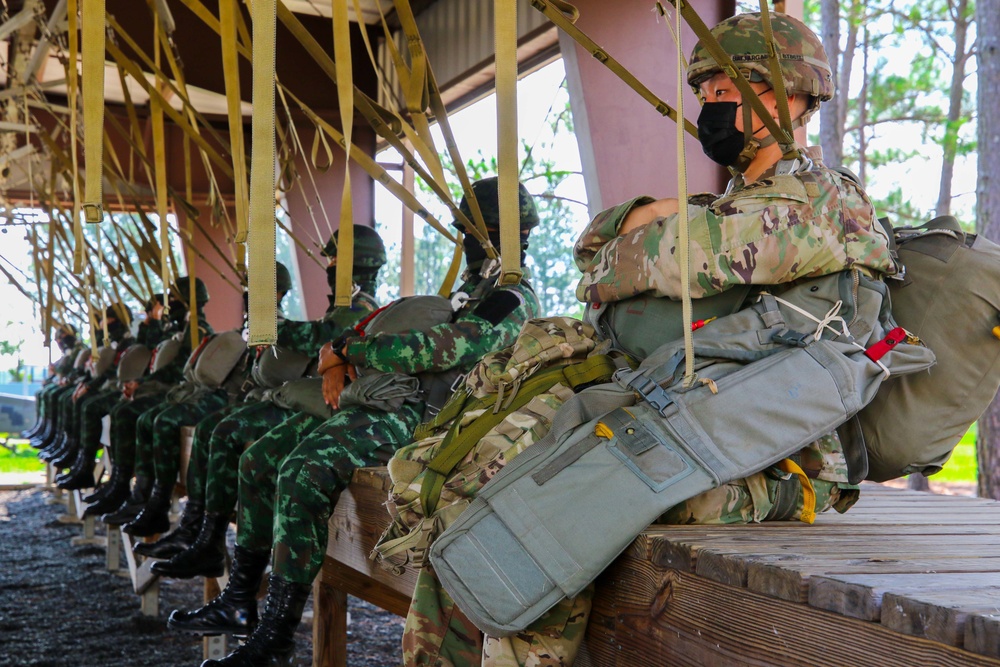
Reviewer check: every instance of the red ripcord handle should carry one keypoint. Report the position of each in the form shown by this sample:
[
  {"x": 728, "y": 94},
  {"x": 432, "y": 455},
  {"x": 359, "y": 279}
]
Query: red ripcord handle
[{"x": 884, "y": 346}]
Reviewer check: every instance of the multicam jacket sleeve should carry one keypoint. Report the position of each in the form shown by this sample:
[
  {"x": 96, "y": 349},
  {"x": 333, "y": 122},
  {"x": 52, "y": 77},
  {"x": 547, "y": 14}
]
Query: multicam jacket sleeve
[
  {"x": 309, "y": 337},
  {"x": 458, "y": 344},
  {"x": 776, "y": 230}
]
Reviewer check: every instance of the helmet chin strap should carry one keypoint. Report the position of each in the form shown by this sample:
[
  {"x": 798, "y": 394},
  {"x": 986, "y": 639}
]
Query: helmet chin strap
[{"x": 752, "y": 144}]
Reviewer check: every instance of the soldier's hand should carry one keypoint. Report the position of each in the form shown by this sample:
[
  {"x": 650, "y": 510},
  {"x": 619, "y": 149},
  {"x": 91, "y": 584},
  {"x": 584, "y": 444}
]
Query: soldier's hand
[
  {"x": 157, "y": 311},
  {"x": 79, "y": 392},
  {"x": 128, "y": 389},
  {"x": 334, "y": 380},
  {"x": 328, "y": 358},
  {"x": 643, "y": 215}
]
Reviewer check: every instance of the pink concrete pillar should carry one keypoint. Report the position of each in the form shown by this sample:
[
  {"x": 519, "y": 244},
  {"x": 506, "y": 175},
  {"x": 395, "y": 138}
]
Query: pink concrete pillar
[
  {"x": 626, "y": 147},
  {"x": 225, "y": 307},
  {"x": 307, "y": 216}
]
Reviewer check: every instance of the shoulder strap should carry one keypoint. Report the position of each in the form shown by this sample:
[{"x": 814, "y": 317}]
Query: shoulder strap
[{"x": 456, "y": 446}]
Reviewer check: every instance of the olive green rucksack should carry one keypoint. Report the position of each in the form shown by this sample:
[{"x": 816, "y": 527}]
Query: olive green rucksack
[{"x": 949, "y": 296}]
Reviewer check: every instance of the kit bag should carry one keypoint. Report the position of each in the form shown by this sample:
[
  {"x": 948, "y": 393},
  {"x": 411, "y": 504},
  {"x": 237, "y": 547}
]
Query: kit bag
[
  {"x": 949, "y": 296},
  {"x": 620, "y": 454},
  {"x": 506, "y": 403}
]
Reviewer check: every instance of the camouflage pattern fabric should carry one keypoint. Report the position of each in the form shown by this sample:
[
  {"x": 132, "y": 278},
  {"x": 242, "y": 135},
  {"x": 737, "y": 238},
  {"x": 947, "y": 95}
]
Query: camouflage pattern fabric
[
  {"x": 229, "y": 438},
  {"x": 321, "y": 466},
  {"x": 311, "y": 477},
  {"x": 93, "y": 413},
  {"x": 457, "y": 344},
  {"x": 159, "y": 429},
  {"x": 194, "y": 482},
  {"x": 776, "y": 230},
  {"x": 309, "y": 337},
  {"x": 255, "y": 511},
  {"x": 124, "y": 419}
]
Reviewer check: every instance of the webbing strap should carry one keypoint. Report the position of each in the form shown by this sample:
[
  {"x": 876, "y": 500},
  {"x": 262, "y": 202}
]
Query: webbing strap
[
  {"x": 808, "y": 513},
  {"x": 160, "y": 172},
  {"x": 457, "y": 445},
  {"x": 505, "y": 27},
  {"x": 683, "y": 222},
  {"x": 93, "y": 107},
  {"x": 725, "y": 62},
  {"x": 564, "y": 15},
  {"x": 231, "y": 74},
  {"x": 787, "y": 139},
  {"x": 345, "y": 86},
  {"x": 261, "y": 262},
  {"x": 72, "y": 81}
]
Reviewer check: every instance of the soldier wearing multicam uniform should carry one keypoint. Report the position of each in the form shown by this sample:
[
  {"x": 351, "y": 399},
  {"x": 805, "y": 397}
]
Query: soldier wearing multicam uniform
[
  {"x": 767, "y": 228},
  {"x": 198, "y": 546},
  {"x": 288, "y": 489}
]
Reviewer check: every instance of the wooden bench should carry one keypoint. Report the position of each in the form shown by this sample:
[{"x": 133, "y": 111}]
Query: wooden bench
[{"x": 905, "y": 578}]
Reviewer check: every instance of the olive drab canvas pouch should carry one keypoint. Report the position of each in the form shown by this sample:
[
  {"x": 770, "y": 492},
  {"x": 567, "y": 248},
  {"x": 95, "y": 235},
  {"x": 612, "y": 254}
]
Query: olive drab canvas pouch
[
  {"x": 949, "y": 296},
  {"x": 507, "y": 403},
  {"x": 770, "y": 379}
]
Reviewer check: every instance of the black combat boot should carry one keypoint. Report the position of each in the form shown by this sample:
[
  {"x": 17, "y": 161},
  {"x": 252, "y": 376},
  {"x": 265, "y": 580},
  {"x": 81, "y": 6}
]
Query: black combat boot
[
  {"x": 113, "y": 493},
  {"x": 35, "y": 430},
  {"x": 206, "y": 557},
  {"x": 155, "y": 516},
  {"x": 44, "y": 437},
  {"x": 68, "y": 456},
  {"x": 55, "y": 448},
  {"x": 234, "y": 610},
  {"x": 132, "y": 505},
  {"x": 81, "y": 475},
  {"x": 180, "y": 538},
  {"x": 273, "y": 640}
]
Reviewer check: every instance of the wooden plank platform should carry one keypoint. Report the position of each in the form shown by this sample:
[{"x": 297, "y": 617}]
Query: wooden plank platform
[{"x": 904, "y": 578}]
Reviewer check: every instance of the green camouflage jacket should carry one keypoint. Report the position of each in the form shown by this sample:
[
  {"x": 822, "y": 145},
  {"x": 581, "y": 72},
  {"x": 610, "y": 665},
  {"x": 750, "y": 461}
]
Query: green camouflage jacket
[
  {"x": 775, "y": 230},
  {"x": 482, "y": 325},
  {"x": 309, "y": 337}
]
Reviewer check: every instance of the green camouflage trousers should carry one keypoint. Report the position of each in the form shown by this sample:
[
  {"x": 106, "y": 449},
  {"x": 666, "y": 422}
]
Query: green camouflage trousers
[
  {"x": 159, "y": 430},
  {"x": 93, "y": 411},
  {"x": 198, "y": 459},
  {"x": 44, "y": 398},
  {"x": 231, "y": 435},
  {"x": 302, "y": 487},
  {"x": 436, "y": 634},
  {"x": 258, "y": 479},
  {"x": 124, "y": 423}
]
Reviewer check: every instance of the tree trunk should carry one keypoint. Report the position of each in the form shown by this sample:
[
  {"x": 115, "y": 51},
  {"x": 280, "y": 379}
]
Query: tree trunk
[
  {"x": 831, "y": 130},
  {"x": 863, "y": 113},
  {"x": 950, "y": 143},
  {"x": 988, "y": 208}
]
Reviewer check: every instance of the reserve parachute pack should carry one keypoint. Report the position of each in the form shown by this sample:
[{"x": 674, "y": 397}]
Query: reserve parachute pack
[
  {"x": 277, "y": 365},
  {"x": 771, "y": 378},
  {"x": 949, "y": 296},
  {"x": 506, "y": 403},
  {"x": 217, "y": 358},
  {"x": 104, "y": 361},
  {"x": 166, "y": 352},
  {"x": 133, "y": 363},
  {"x": 374, "y": 388}
]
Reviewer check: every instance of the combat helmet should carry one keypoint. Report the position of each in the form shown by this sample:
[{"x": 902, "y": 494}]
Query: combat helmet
[
  {"x": 805, "y": 67},
  {"x": 488, "y": 195},
  {"x": 282, "y": 277},
  {"x": 369, "y": 250},
  {"x": 182, "y": 288},
  {"x": 120, "y": 312}
]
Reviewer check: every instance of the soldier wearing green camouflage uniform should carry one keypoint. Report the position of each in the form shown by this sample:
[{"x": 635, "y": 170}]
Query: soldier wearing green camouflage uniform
[
  {"x": 288, "y": 489},
  {"x": 212, "y": 470},
  {"x": 117, "y": 318},
  {"x": 148, "y": 392},
  {"x": 775, "y": 223},
  {"x": 60, "y": 373}
]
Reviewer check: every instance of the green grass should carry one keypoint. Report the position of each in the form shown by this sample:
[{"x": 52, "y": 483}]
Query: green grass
[
  {"x": 961, "y": 467},
  {"x": 24, "y": 458}
]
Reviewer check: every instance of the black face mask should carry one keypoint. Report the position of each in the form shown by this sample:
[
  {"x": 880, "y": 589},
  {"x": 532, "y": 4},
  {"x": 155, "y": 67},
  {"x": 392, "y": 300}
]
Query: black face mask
[
  {"x": 66, "y": 344},
  {"x": 117, "y": 331},
  {"x": 177, "y": 312},
  {"x": 246, "y": 302},
  {"x": 717, "y": 132},
  {"x": 473, "y": 249}
]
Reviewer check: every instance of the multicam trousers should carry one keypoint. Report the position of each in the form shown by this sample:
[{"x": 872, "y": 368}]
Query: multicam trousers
[
  {"x": 289, "y": 486},
  {"x": 436, "y": 634},
  {"x": 159, "y": 430}
]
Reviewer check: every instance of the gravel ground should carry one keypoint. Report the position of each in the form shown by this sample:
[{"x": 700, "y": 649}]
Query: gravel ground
[{"x": 60, "y": 607}]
